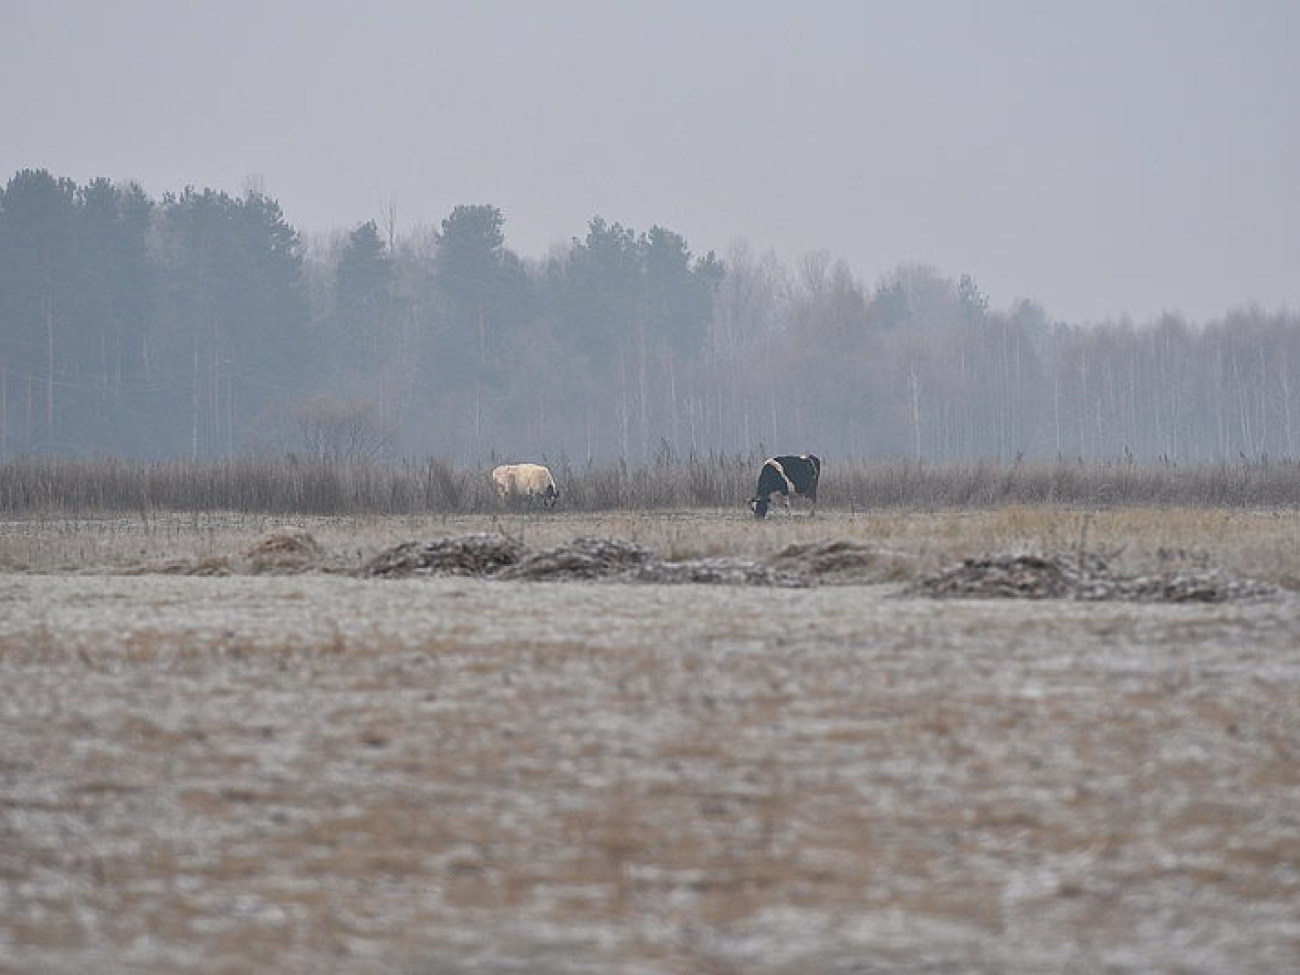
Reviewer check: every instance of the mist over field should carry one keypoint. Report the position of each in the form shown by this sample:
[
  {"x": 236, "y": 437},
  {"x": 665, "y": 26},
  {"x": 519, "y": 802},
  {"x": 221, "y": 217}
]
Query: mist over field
[
  {"x": 940, "y": 232},
  {"x": 290, "y": 683},
  {"x": 201, "y": 326}
]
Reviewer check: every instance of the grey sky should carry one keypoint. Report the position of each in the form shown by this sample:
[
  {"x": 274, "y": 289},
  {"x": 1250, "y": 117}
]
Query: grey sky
[{"x": 1105, "y": 158}]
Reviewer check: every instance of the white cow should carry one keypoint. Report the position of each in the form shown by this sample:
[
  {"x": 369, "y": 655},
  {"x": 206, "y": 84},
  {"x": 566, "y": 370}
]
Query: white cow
[{"x": 531, "y": 483}]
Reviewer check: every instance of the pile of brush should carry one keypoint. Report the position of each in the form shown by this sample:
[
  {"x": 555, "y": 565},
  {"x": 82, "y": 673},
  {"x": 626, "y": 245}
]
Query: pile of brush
[
  {"x": 1029, "y": 575},
  {"x": 584, "y": 559},
  {"x": 480, "y": 554}
]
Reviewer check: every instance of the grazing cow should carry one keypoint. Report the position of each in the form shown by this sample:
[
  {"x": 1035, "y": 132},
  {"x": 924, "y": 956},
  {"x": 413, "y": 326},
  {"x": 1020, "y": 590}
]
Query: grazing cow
[
  {"x": 786, "y": 476},
  {"x": 531, "y": 483}
]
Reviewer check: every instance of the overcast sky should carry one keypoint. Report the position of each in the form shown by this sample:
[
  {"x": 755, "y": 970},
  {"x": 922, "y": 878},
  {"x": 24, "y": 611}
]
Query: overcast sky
[{"x": 1105, "y": 158}]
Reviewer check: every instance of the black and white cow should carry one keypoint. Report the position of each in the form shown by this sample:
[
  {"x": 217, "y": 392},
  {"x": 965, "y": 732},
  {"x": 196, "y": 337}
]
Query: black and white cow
[{"x": 786, "y": 476}]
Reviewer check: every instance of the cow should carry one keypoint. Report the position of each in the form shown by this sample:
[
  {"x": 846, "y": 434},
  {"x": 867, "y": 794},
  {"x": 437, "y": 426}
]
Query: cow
[
  {"x": 785, "y": 476},
  {"x": 530, "y": 483}
]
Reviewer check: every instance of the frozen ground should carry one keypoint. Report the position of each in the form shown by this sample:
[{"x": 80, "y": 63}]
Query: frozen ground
[{"x": 317, "y": 773}]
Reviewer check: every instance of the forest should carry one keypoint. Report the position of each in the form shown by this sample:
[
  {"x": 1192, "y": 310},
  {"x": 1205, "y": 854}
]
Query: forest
[{"x": 204, "y": 326}]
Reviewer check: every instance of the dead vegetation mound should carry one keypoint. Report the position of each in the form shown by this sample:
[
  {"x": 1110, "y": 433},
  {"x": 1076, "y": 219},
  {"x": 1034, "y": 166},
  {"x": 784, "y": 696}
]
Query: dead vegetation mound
[
  {"x": 282, "y": 550},
  {"x": 491, "y": 555},
  {"x": 843, "y": 562},
  {"x": 479, "y": 554},
  {"x": 1046, "y": 576},
  {"x": 582, "y": 559},
  {"x": 1199, "y": 586},
  {"x": 285, "y": 549}
]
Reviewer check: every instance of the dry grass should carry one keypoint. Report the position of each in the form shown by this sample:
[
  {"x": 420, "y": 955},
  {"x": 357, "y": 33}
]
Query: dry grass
[
  {"x": 313, "y": 486},
  {"x": 324, "y": 773},
  {"x": 1260, "y": 544}
]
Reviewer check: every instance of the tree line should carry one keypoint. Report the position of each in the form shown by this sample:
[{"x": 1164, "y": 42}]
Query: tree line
[{"x": 203, "y": 326}]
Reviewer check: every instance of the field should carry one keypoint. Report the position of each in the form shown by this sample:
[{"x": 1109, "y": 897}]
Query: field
[{"x": 213, "y": 760}]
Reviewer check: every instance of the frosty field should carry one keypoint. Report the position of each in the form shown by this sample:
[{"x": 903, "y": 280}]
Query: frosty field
[{"x": 211, "y": 767}]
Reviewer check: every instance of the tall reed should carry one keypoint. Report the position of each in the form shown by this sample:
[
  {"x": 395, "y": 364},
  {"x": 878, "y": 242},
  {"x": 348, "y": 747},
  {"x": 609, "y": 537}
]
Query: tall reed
[{"x": 50, "y": 485}]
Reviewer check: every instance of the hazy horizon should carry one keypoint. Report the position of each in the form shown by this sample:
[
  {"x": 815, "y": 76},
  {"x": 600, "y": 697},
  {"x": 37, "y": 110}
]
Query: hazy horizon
[{"x": 1106, "y": 160}]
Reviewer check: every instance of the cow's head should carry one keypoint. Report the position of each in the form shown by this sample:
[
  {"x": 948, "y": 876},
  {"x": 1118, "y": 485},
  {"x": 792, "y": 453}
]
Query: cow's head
[
  {"x": 551, "y": 495},
  {"x": 759, "y": 506}
]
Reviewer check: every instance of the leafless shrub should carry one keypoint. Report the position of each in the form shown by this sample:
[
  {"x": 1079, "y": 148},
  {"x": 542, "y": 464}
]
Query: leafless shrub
[
  {"x": 444, "y": 488},
  {"x": 341, "y": 430},
  {"x": 912, "y": 484},
  {"x": 600, "y": 490}
]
